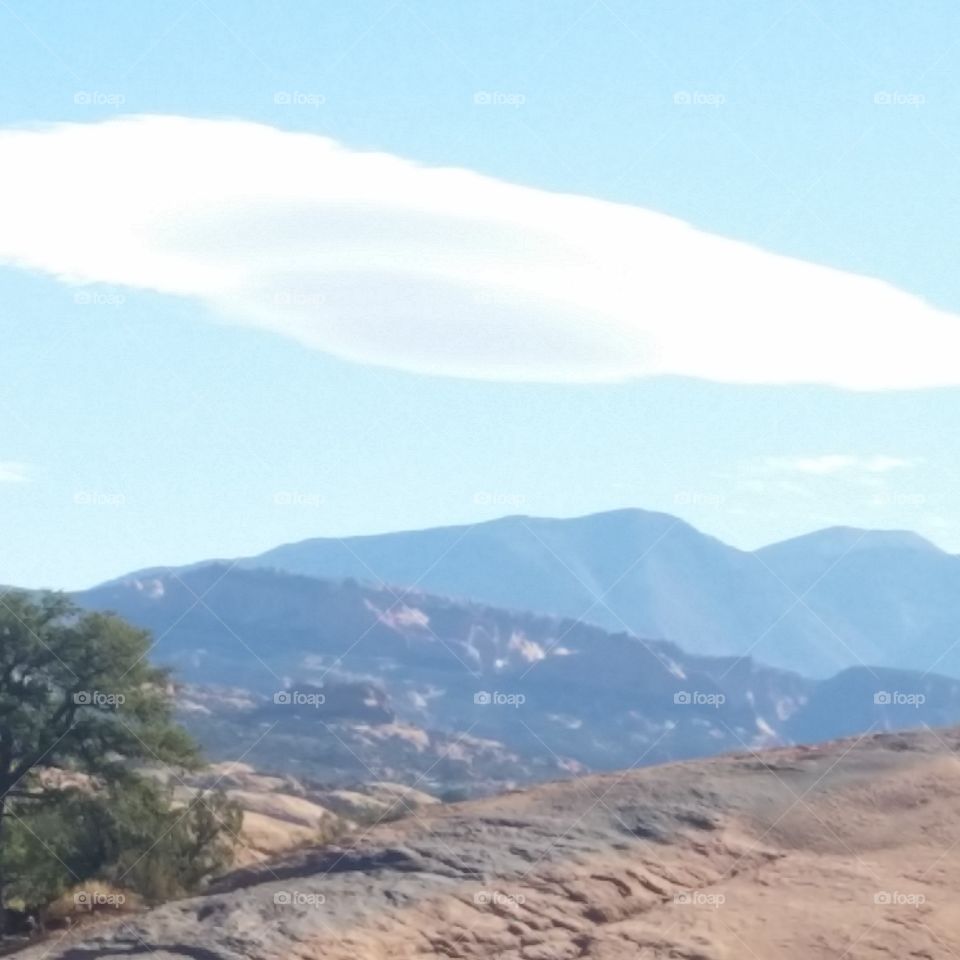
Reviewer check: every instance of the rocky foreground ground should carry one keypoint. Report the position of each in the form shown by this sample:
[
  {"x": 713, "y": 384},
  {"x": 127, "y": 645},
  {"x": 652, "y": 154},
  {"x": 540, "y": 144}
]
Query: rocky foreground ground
[{"x": 848, "y": 850}]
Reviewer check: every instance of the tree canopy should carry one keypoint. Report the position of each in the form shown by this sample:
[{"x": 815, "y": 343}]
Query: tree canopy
[{"x": 79, "y": 698}]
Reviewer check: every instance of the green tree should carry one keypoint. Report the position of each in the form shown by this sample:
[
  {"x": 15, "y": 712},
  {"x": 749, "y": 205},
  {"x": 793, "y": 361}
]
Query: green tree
[
  {"x": 163, "y": 849},
  {"x": 77, "y": 693},
  {"x": 132, "y": 835}
]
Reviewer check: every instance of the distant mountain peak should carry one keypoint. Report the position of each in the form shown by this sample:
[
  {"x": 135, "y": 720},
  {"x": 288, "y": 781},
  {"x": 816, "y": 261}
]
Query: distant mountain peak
[{"x": 841, "y": 539}]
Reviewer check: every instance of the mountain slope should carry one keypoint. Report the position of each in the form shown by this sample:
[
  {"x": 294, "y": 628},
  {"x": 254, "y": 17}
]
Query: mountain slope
[
  {"x": 815, "y": 604},
  {"x": 345, "y": 682},
  {"x": 875, "y": 699},
  {"x": 807, "y": 854},
  {"x": 553, "y": 690},
  {"x": 892, "y": 597}
]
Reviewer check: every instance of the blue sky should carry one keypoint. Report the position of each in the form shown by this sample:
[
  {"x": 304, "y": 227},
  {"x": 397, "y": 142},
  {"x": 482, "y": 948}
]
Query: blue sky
[{"x": 143, "y": 427}]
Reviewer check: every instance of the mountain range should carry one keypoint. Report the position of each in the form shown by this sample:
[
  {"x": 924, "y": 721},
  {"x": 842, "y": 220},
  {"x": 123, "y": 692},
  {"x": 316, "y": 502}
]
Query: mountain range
[
  {"x": 817, "y": 604},
  {"x": 355, "y": 680}
]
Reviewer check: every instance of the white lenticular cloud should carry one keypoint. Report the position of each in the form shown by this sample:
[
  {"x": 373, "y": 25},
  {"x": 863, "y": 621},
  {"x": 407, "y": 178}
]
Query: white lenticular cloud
[{"x": 380, "y": 260}]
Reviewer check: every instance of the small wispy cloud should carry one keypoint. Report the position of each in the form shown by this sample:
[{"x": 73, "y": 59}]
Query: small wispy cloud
[
  {"x": 377, "y": 259},
  {"x": 833, "y": 464},
  {"x": 12, "y": 471}
]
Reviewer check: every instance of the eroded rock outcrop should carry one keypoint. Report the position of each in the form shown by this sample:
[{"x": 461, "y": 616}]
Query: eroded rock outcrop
[{"x": 835, "y": 851}]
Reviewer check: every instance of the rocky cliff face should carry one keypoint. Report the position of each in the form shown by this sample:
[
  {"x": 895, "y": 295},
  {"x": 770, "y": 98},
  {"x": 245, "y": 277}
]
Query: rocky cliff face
[
  {"x": 343, "y": 682},
  {"x": 283, "y": 813},
  {"x": 835, "y": 851},
  {"x": 337, "y": 676}
]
